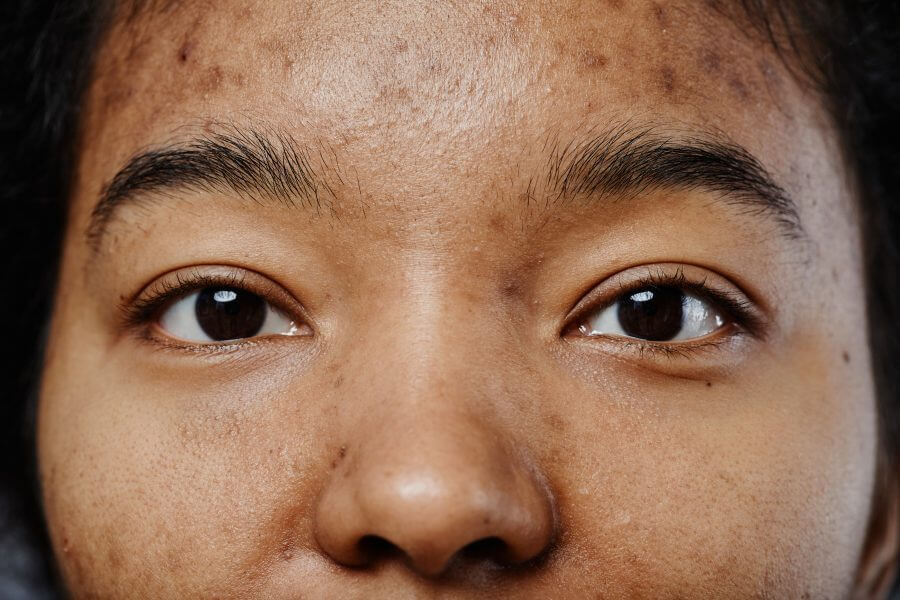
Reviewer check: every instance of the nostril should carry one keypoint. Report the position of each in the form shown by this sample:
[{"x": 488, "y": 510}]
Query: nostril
[
  {"x": 486, "y": 550},
  {"x": 374, "y": 548}
]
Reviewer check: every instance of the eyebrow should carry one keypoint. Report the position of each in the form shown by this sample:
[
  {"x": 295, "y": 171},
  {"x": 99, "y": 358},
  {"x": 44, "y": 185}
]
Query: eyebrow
[
  {"x": 247, "y": 162},
  {"x": 630, "y": 161},
  {"x": 619, "y": 162}
]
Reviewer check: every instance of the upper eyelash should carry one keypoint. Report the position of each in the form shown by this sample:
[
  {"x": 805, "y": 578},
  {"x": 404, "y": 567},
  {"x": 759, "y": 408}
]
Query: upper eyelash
[
  {"x": 736, "y": 306},
  {"x": 150, "y": 301}
]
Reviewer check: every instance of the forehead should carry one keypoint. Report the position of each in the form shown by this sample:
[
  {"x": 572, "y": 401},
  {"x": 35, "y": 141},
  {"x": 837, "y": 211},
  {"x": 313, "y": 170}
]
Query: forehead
[{"x": 461, "y": 74}]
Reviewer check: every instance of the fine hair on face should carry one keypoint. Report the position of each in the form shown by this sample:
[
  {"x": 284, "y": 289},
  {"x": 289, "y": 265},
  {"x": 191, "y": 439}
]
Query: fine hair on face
[{"x": 414, "y": 299}]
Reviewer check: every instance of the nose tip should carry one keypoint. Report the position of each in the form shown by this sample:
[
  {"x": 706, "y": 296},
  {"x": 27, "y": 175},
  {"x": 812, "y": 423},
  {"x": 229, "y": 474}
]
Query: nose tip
[{"x": 434, "y": 516}]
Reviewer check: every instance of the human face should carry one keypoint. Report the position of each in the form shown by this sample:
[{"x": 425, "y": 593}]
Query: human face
[{"x": 452, "y": 299}]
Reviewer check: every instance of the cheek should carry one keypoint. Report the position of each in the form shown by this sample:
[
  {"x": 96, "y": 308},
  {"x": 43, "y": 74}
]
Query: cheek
[
  {"x": 760, "y": 483},
  {"x": 159, "y": 481}
]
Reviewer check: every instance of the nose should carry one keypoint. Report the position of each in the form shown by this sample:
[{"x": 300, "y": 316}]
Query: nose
[{"x": 434, "y": 493}]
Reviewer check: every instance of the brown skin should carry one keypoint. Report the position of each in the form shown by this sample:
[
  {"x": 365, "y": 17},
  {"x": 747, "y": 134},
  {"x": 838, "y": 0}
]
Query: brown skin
[{"x": 438, "y": 395}]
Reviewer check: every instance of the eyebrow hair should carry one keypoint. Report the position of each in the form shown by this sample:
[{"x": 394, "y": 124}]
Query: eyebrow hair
[
  {"x": 625, "y": 160},
  {"x": 247, "y": 162},
  {"x": 636, "y": 161}
]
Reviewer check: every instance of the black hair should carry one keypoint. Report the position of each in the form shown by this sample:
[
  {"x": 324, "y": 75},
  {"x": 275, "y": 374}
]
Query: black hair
[{"x": 849, "y": 50}]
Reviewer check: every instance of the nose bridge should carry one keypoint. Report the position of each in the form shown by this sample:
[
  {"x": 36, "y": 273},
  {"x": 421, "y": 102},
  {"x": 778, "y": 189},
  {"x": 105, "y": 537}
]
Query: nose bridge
[
  {"x": 435, "y": 327},
  {"x": 430, "y": 469}
]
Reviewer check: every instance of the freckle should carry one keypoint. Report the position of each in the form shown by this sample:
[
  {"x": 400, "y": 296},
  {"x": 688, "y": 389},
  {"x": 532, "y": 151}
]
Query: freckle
[
  {"x": 401, "y": 46},
  {"x": 709, "y": 384},
  {"x": 846, "y": 356}
]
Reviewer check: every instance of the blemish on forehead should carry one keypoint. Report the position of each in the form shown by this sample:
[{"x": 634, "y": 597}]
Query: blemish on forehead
[
  {"x": 710, "y": 62},
  {"x": 659, "y": 13},
  {"x": 592, "y": 60},
  {"x": 667, "y": 80}
]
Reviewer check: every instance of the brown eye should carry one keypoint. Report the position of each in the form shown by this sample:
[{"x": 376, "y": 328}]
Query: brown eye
[
  {"x": 217, "y": 314},
  {"x": 229, "y": 313},
  {"x": 655, "y": 313}
]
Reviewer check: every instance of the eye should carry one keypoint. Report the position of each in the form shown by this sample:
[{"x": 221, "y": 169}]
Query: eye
[
  {"x": 223, "y": 313},
  {"x": 655, "y": 313}
]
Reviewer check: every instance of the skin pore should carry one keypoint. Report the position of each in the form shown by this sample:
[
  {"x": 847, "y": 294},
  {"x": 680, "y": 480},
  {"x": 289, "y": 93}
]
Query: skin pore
[{"x": 430, "y": 209}]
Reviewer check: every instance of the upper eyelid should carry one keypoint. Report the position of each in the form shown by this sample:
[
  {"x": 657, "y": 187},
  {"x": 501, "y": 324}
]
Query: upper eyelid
[
  {"x": 161, "y": 292},
  {"x": 738, "y": 302}
]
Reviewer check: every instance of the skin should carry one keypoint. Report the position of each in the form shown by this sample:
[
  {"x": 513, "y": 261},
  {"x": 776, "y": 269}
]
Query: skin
[{"x": 438, "y": 395}]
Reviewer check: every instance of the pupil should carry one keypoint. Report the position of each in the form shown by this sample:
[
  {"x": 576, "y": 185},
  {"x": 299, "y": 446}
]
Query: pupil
[
  {"x": 229, "y": 313},
  {"x": 654, "y": 313}
]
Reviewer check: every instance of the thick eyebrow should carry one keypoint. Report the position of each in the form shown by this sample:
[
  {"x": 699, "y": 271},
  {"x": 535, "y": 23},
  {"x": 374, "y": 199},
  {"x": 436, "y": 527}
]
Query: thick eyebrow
[
  {"x": 247, "y": 162},
  {"x": 631, "y": 162}
]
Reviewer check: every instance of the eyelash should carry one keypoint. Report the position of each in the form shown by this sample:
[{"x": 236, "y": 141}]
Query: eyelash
[
  {"x": 737, "y": 308},
  {"x": 142, "y": 312}
]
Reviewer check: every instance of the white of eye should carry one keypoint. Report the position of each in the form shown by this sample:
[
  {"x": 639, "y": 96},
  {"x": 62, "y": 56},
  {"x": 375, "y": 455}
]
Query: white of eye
[
  {"x": 181, "y": 319},
  {"x": 698, "y": 318}
]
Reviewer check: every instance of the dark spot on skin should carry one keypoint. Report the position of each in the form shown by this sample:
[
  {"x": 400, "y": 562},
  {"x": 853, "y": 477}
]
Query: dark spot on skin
[
  {"x": 339, "y": 381},
  {"x": 342, "y": 452},
  {"x": 401, "y": 46},
  {"x": 185, "y": 51},
  {"x": 212, "y": 79},
  {"x": 510, "y": 290},
  {"x": 592, "y": 60},
  {"x": 737, "y": 86},
  {"x": 659, "y": 13},
  {"x": 556, "y": 423},
  {"x": 617, "y": 4},
  {"x": 487, "y": 520},
  {"x": 846, "y": 357},
  {"x": 710, "y": 62},
  {"x": 709, "y": 384},
  {"x": 667, "y": 79},
  {"x": 835, "y": 275}
]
